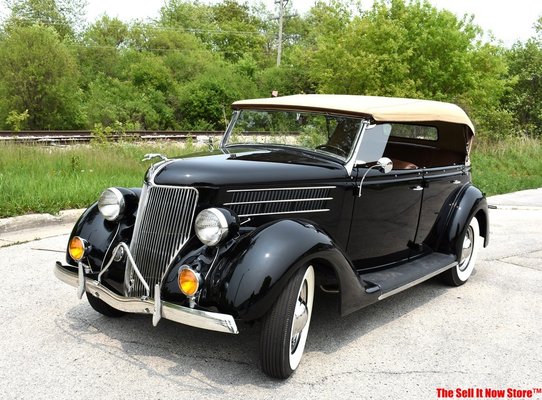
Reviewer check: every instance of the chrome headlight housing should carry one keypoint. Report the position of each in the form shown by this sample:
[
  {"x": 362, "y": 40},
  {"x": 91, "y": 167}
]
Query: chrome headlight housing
[
  {"x": 214, "y": 225},
  {"x": 111, "y": 204}
]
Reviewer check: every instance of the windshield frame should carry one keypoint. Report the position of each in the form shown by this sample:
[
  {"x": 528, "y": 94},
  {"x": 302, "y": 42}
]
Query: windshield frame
[{"x": 348, "y": 162}]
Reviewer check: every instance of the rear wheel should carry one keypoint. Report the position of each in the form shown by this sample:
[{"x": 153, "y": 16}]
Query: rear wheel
[
  {"x": 468, "y": 253},
  {"x": 286, "y": 326},
  {"x": 103, "y": 308}
]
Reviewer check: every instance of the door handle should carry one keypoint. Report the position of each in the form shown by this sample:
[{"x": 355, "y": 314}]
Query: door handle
[
  {"x": 455, "y": 182},
  {"x": 416, "y": 188}
]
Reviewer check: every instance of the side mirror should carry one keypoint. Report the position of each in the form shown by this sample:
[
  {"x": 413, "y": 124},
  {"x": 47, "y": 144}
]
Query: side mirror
[{"x": 386, "y": 164}]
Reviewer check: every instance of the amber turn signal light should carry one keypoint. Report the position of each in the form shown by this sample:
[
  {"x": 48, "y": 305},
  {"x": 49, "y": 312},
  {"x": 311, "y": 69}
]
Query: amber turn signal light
[
  {"x": 77, "y": 248},
  {"x": 189, "y": 281}
]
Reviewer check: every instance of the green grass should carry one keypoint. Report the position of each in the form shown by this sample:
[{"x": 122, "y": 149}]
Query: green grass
[
  {"x": 36, "y": 179},
  {"x": 507, "y": 166}
]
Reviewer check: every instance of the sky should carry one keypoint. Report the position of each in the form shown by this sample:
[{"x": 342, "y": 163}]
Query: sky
[{"x": 508, "y": 21}]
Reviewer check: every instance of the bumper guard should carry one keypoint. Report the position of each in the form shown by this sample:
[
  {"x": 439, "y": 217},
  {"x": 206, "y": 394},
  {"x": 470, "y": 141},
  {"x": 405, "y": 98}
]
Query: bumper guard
[{"x": 158, "y": 308}]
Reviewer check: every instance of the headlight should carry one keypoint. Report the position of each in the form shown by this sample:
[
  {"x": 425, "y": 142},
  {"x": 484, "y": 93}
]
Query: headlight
[
  {"x": 111, "y": 204},
  {"x": 213, "y": 225}
]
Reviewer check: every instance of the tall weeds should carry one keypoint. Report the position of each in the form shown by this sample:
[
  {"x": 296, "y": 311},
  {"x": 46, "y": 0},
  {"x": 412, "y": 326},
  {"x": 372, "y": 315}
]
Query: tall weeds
[
  {"x": 49, "y": 179},
  {"x": 507, "y": 165}
]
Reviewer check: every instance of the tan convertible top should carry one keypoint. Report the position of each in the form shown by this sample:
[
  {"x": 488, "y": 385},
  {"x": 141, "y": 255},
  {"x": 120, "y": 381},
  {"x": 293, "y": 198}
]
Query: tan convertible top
[{"x": 381, "y": 109}]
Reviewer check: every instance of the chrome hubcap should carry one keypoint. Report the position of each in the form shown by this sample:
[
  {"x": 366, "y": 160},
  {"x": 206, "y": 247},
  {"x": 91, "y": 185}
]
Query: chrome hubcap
[
  {"x": 301, "y": 317},
  {"x": 467, "y": 249}
]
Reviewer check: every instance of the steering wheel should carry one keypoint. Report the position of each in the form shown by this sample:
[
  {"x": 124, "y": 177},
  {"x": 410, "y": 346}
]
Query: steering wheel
[{"x": 336, "y": 150}]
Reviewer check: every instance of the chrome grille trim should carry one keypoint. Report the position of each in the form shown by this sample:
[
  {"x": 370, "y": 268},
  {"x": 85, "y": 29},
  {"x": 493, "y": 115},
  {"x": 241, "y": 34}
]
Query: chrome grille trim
[
  {"x": 163, "y": 226},
  {"x": 275, "y": 201}
]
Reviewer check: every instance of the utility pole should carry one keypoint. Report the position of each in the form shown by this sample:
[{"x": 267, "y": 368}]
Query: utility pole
[{"x": 282, "y": 6}]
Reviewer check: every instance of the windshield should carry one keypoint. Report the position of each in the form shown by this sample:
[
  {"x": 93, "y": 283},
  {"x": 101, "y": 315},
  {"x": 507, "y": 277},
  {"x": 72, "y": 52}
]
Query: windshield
[{"x": 330, "y": 134}]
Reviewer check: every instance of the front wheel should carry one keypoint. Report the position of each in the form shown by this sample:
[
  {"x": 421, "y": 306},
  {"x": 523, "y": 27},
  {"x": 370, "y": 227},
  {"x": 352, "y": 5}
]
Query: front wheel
[
  {"x": 286, "y": 326},
  {"x": 103, "y": 308},
  {"x": 468, "y": 253}
]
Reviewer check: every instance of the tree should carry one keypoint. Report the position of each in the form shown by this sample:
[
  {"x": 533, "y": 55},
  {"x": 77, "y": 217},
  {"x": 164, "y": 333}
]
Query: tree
[
  {"x": 525, "y": 69},
  {"x": 182, "y": 52},
  {"x": 404, "y": 49},
  {"x": 61, "y": 15},
  {"x": 205, "y": 101},
  {"x": 100, "y": 48},
  {"x": 39, "y": 74},
  {"x": 240, "y": 31},
  {"x": 313, "y": 56},
  {"x": 395, "y": 49},
  {"x": 229, "y": 28}
]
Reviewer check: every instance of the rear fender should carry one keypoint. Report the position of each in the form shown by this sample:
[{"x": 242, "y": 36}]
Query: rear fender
[{"x": 470, "y": 203}]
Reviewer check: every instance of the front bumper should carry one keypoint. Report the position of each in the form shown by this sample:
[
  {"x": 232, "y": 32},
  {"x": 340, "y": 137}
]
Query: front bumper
[{"x": 158, "y": 308}]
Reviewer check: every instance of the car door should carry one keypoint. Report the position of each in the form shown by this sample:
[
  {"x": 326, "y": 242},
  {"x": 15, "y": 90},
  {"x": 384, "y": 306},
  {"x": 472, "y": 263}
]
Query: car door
[
  {"x": 385, "y": 217},
  {"x": 386, "y": 209}
]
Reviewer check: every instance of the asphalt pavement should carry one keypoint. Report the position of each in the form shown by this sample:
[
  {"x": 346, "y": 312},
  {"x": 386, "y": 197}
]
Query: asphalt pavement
[{"x": 484, "y": 335}]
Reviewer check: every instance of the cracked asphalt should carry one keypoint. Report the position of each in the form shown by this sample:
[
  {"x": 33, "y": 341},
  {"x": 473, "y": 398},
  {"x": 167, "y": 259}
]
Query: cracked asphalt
[{"x": 485, "y": 334}]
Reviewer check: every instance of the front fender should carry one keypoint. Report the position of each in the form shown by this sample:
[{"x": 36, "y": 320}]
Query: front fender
[
  {"x": 103, "y": 235},
  {"x": 254, "y": 272},
  {"x": 98, "y": 232}
]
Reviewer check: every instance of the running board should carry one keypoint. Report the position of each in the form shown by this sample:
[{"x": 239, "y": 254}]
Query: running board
[{"x": 394, "y": 280}]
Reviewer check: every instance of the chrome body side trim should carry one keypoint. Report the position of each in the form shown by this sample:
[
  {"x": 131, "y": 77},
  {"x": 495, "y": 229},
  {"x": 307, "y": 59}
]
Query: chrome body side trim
[
  {"x": 159, "y": 309},
  {"x": 284, "y": 212},
  {"x": 284, "y": 188},
  {"x": 414, "y": 283},
  {"x": 277, "y": 201}
]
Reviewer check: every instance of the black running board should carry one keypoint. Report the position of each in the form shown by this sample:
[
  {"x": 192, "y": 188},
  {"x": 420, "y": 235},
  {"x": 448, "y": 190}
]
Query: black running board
[{"x": 394, "y": 280}]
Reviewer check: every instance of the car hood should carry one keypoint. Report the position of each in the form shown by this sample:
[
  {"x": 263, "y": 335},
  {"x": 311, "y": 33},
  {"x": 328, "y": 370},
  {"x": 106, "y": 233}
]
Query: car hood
[{"x": 256, "y": 167}]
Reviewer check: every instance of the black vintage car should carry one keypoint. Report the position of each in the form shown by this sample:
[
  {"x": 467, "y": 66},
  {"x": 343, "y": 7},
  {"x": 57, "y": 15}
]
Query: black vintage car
[{"x": 361, "y": 196}]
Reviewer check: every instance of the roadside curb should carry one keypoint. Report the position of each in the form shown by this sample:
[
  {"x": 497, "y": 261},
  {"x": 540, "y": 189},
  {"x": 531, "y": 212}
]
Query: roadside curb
[
  {"x": 515, "y": 208},
  {"x": 34, "y": 221},
  {"x": 530, "y": 199}
]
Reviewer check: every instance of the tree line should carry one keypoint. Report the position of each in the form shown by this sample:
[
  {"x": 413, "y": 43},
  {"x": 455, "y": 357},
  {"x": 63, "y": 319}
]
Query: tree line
[{"x": 184, "y": 69}]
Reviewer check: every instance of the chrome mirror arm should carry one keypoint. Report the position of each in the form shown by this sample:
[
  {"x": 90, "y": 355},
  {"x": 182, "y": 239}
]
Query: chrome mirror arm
[{"x": 385, "y": 163}]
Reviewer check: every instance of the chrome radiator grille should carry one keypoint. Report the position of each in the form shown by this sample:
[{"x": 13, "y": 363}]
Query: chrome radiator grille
[{"x": 163, "y": 225}]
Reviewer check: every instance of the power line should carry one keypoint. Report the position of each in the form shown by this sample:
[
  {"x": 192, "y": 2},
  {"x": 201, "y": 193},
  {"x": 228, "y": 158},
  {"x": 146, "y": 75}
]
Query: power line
[
  {"x": 163, "y": 28},
  {"x": 154, "y": 28}
]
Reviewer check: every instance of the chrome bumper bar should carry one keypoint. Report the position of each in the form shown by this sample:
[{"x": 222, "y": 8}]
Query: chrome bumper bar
[{"x": 158, "y": 308}]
